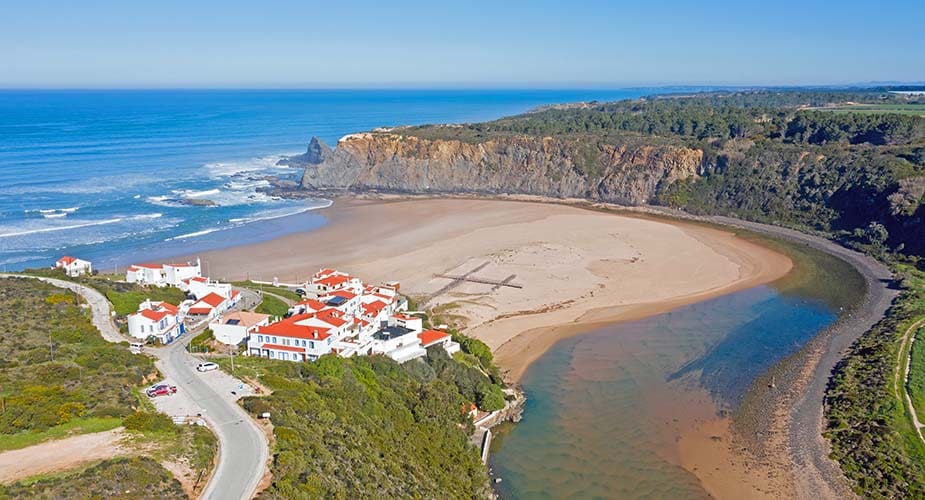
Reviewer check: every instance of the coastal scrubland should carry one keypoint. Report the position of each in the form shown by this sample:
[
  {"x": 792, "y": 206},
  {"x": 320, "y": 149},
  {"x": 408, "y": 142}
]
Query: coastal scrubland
[
  {"x": 58, "y": 378},
  {"x": 867, "y": 421},
  {"x": 370, "y": 427},
  {"x": 125, "y": 297}
]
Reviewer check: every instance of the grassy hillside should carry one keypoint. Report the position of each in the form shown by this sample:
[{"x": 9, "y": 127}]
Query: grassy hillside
[
  {"x": 121, "y": 478},
  {"x": 59, "y": 377},
  {"x": 866, "y": 419},
  {"x": 369, "y": 427},
  {"x": 57, "y": 368}
]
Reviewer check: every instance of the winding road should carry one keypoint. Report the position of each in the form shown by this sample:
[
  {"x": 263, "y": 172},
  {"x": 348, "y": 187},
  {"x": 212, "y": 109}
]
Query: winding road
[{"x": 243, "y": 447}]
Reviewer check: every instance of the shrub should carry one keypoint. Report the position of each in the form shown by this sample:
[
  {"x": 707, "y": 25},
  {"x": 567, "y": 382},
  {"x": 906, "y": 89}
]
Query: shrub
[{"x": 144, "y": 421}]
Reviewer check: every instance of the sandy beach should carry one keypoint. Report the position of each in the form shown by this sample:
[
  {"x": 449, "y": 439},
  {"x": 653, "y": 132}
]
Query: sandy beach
[{"x": 578, "y": 268}]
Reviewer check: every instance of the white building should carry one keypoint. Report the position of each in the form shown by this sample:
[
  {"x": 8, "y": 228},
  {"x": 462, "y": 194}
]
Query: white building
[
  {"x": 199, "y": 287},
  {"x": 73, "y": 266},
  {"x": 146, "y": 274},
  {"x": 236, "y": 327},
  {"x": 213, "y": 305},
  {"x": 162, "y": 274},
  {"x": 430, "y": 338},
  {"x": 161, "y": 320}
]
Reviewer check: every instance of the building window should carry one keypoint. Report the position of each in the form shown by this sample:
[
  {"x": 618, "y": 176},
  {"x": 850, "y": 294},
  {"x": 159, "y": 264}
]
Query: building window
[
  {"x": 260, "y": 338},
  {"x": 303, "y": 343},
  {"x": 272, "y": 354},
  {"x": 311, "y": 345},
  {"x": 283, "y": 356}
]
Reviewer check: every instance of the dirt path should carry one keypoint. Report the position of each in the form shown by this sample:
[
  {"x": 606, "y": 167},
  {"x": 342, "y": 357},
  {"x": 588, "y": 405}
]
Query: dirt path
[
  {"x": 900, "y": 379},
  {"x": 60, "y": 455}
]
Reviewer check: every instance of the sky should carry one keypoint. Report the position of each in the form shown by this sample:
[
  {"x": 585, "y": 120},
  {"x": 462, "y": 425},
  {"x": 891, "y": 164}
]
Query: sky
[{"x": 516, "y": 43}]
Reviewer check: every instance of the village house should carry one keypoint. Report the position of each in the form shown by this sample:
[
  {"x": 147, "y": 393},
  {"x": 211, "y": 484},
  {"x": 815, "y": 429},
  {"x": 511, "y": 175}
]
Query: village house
[
  {"x": 430, "y": 338},
  {"x": 73, "y": 266},
  {"x": 199, "y": 287},
  {"x": 213, "y": 305},
  {"x": 160, "y": 320},
  {"x": 236, "y": 327},
  {"x": 349, "y": 318},
  {"x": 162, "y": 274}
]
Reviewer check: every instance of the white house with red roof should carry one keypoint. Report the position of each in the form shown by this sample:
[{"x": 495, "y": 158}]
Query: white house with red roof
[
  {"x": 296, "y": 338},
  {"x": 146, "y": 274},
  {"x": 213, "y": 304},
  {"x": 234, "y": 328},
  {"x": 161, "y": 320},
  {"x": 199, "y": 287},
  {"x": 430, "y": 338},
  {"x": 177, "y": 272},
  {"x": 162, "y": 274},
  {"x": 73, "y": 266}
]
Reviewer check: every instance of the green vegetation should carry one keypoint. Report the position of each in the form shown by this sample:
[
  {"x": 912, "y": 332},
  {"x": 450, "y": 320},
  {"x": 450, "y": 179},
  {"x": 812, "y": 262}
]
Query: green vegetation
[
  {"x": 277, "y": 290},
  {"x": 58, "y": 377},
  {"x": 202, "y": 342},
  {"x": 272, "y": 306},
  {"x": 917, "y": 109},
  {"x": 125, "y": 297},
  {"x": 82, "y": 425},
  {"x": 767, "y": 156},
  {"x": 916, "y": 383},
  {"x": 867, "y": 420},
  {"x": 121, "y": 478},
  {"x": 57, "y": 368},
  {"x": 369, "y": 427}
]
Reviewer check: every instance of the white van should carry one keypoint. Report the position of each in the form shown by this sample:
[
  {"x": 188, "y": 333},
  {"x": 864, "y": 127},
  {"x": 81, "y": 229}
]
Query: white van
[{"x": 136, "y": 347}]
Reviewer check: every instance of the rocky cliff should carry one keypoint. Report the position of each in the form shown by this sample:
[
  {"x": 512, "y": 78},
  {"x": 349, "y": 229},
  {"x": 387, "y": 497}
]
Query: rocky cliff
[{"x": 516, "y": 164}]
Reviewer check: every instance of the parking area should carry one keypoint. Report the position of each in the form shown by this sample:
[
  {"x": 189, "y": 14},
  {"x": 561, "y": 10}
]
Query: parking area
[{"x": 182, "y": 404}]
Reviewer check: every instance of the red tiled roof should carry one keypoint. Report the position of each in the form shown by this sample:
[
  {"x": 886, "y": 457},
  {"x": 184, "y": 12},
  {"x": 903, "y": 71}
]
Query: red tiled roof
[
  {"x": 200, "y": 279},
  {"x": 200, "y": 310},
  {"x": 213, "y": 299},
  {"x": 430, "y": 337},
  {"x": 153, "y": 315},
  {"x": 317, "y": 305},
  {"x": 333, "y": 280},
  {"x": 277, "y": 347},
  {"x": 404, "y": 317},
  {"x": 188, "y": 264},
  {"x": 167, "y": 306},
  {"x": 374, "y": 307},
  {"x": 344, "y": 293},
  {"x": 289, "y": 328},
  {"x": 67, "y": 259},
  {"x": 149, "y": 266},
  {"x": 330, "y": 317}
]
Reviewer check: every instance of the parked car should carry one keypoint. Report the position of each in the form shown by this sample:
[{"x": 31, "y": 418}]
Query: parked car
[
  {"x": 136, "y": 347},
  {"x": 206, "y": 367},
  {"x": 161, "y": 390}
]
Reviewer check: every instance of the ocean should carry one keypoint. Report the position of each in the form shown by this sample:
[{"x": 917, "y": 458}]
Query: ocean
[{"x": 103, "y": 174}]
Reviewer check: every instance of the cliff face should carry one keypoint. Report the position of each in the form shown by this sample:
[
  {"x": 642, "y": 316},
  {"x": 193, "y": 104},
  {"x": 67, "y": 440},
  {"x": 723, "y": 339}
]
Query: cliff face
[{"x": 555, "y": 167}]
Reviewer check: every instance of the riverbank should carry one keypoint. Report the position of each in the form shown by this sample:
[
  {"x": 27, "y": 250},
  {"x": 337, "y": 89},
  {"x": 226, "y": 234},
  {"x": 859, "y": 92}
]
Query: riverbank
[{"x": 578, "y": 268}]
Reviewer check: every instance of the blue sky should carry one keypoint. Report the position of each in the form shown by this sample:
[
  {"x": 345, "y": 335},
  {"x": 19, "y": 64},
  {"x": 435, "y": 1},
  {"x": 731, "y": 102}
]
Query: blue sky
[{"x": 208, "y": 43}]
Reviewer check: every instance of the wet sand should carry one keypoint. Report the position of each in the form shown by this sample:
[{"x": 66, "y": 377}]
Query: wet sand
[{"x": 579, "y": 268}]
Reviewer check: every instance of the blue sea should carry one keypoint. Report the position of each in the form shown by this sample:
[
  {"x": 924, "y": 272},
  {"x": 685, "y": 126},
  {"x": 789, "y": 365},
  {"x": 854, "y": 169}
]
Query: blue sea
[{"x": 100, "y": 174}]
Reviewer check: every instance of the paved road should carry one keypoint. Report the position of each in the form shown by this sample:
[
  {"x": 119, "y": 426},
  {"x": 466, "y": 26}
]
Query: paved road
[
  {"x": 100, "y": 308},
  {"x": 243, "y": 446}
]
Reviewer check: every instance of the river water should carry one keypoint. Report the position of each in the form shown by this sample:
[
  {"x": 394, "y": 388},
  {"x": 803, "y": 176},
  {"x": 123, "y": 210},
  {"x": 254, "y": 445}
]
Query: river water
[{"x": 606, "y": 409}]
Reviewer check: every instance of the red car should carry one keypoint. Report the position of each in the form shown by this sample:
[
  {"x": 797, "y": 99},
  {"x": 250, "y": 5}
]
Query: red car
[{"x": 161, "y": 390}]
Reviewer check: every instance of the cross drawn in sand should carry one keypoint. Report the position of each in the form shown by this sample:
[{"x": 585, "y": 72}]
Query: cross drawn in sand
[{"x": 457, "y": 279}]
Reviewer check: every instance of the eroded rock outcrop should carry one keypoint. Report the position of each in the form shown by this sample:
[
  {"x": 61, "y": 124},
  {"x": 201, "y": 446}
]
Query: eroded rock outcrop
[{"x": 557, "y": 167}]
